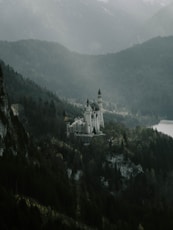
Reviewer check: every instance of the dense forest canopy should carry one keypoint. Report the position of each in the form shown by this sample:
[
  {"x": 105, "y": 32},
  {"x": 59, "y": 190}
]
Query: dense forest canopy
[{"x": 121, "y": 181}]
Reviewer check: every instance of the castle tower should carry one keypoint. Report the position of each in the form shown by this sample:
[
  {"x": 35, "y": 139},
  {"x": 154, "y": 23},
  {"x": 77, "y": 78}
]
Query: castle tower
[
  {"x": 100, "y": 104},
  {"x": 87, "y": 117},
  {"x": 91, "y": 122}
]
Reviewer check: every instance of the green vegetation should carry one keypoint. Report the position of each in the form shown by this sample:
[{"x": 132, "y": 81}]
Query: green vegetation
[{"x": 57, "y": 200}]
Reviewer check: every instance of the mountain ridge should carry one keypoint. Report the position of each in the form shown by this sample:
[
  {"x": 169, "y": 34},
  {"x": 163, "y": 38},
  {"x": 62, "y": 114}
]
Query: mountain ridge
[
  {"x": 142, "y": 68},
  {"x": 66, "y": 185}
]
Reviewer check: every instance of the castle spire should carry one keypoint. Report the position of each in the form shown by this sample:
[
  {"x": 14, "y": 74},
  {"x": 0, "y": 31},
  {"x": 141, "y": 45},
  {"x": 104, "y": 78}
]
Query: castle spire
[
  {"x": 99, "y": 97},
  {"x": 100, "y": 104},
  {"x": 88, "y": 102}
]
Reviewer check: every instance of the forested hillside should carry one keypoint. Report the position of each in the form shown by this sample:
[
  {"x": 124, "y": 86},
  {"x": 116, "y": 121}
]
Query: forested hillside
[
  {"x": 121, "y": 181},
  {"x": 41, "y": 112},
  {"x": 142, "y": 76},
  {"x": 139, "y": 78}
]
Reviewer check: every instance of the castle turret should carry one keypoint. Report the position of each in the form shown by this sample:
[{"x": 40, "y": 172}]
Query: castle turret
[
  {"x": 100, "y": 104},
  {"x": 99, "y": 98},
  {"x": 87, "y": 117}
]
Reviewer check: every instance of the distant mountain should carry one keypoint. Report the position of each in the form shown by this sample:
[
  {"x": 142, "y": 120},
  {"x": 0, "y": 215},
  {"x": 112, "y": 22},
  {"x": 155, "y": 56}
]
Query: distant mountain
[
  {"x": 86, "y": 26},
  {"x": 142, "y": 76},
  {"x": 139, "y": 78},
  {"x": 48, "y": 183},
  {"x": 51, "y": 65},
  {"x": 40, "y": 111},
  {"x": 159, "y": 24}
]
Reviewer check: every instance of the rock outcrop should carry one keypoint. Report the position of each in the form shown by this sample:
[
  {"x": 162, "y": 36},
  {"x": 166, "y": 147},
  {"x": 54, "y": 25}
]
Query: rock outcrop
[{"x": 13, "y": 138}]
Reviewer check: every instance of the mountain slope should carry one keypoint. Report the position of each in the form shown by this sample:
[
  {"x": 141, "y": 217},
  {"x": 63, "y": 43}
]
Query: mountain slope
[
  {"x": 40, "y": 111},
  {"x": 13, "y": 138},
  {"x": 142, "y": 76},
  {"x": 159, "y": 24},
  {"x": 50, "y": 65},
  {"x": 126, "y": 184},
  {"x": 139, "y": 78}
]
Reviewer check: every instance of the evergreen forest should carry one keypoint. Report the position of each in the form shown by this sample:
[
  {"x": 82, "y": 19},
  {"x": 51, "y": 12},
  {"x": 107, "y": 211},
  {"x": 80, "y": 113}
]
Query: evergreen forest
[{"x": 120, "y": 181}]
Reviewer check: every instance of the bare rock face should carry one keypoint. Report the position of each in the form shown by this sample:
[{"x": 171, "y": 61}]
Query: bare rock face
[{"x": 13, "y": 138}]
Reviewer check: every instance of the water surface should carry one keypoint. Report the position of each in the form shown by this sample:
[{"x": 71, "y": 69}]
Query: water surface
[{"x": 165, "y": 126}]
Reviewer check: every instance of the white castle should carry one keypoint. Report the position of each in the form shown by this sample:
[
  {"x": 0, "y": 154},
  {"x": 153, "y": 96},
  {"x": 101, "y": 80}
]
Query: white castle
[{"x": 92, "y": 121}]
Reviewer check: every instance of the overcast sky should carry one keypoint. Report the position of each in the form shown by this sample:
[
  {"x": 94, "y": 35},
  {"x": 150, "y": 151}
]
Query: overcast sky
[{"x": 63, "y": 20}]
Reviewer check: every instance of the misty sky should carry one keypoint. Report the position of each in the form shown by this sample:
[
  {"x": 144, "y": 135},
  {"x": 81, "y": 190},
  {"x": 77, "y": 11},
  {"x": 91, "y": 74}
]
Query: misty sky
[{"x": 76, "y": 23}]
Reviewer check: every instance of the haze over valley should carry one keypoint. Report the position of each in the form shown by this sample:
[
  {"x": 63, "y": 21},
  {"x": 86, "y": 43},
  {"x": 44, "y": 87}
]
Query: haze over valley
[
  {"x": 131, "y": 77},
  {"x": 139, "y": 78}
]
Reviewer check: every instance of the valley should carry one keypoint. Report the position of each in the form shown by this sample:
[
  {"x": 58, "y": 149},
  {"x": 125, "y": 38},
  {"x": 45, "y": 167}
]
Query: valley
[
  {"x": 138, "y": 78},
  {"x": 51, "y": 181}
]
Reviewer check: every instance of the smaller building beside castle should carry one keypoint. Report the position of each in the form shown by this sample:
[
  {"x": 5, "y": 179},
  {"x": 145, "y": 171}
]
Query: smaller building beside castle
[{"x": 91, "y": 122}]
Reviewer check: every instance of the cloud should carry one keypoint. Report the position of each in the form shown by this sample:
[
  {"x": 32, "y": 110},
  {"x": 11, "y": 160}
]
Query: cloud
[
  {"x": 160, "y": 2},
  {"x": 79, "y": 25},
  {"x": 105, "y": 1},
  {"x": 22, "y": 19}
]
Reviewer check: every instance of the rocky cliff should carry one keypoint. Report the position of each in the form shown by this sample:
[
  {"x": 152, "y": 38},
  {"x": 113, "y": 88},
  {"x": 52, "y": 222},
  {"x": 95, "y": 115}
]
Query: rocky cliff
[{"x": 13, "y": 138}]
